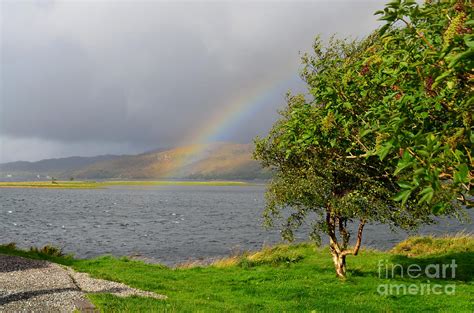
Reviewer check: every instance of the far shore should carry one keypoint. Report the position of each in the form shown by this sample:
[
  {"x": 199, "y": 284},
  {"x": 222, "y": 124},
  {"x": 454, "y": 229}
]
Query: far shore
[{"x": 104, "y": 184}]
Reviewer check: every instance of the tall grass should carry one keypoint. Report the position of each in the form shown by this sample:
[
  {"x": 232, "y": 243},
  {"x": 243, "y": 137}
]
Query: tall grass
[{"x": 431, "y": 245}]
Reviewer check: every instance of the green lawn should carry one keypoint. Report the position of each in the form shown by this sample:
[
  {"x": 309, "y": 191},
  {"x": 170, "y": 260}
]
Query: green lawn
[
  {"x": 103, "y": 184},
  {"x": 296, "y": 278}
]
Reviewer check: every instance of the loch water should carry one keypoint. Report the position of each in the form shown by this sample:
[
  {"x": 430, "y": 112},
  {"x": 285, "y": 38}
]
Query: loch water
[{"x": 168, "y": 224}]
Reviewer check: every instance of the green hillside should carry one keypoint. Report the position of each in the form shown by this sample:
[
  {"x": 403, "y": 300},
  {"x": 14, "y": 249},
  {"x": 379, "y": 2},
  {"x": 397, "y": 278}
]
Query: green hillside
[{"x": 211, "y": 161}]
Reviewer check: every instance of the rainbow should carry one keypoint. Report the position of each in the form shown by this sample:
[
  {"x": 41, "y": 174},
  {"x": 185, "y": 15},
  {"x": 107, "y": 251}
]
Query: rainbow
[{"x": 250, "y": 101}]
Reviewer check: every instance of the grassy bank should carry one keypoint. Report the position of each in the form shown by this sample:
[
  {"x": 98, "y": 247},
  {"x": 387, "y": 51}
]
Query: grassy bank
[
  {"x": 295, "y": 278},
  {"x": 104, "y": 184}
]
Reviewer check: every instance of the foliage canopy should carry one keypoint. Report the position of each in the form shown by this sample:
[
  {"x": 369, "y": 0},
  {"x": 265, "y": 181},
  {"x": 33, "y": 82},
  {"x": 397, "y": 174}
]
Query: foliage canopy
[{"x": 387, "y": 132}]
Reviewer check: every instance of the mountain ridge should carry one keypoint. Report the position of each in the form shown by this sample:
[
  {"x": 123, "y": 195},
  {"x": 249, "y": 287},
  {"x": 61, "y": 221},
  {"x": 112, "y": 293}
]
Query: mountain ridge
[{"x": 214, "y": 161}]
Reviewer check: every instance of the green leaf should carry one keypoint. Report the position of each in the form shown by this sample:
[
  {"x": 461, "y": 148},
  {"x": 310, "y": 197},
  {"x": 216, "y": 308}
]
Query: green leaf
[
  {"x": 405, "y": 185},
  {"x": 347, "y": 105},
  {"x": 402, "y": 196},
  {"x": 462, "y": 174},
  {"x": 469, "y": 40},
  {"x": 427, "y": 193},
  {"x": 365, "y": 132},
  {"x": 438, "y": 208},
  {"x": 402, "y": 164},
  {"x": 469, "y": 54},
  {"x": 383, "y": 29},
  {"x": 440, "y": 78},
  {"x": 385, "y": 150}
]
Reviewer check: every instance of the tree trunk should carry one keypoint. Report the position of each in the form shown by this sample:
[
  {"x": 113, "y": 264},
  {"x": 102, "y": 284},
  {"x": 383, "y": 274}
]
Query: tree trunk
[
  {"x": 340, "y": 265},
  {"x": 339, "y": 253}
]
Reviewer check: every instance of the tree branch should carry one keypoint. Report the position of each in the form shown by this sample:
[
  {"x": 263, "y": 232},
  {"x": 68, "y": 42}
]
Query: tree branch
[
  {"x": 358, "y": 156},
  {"x": 344, "y": 234},
  {"x": 359, "y": 236},
  {"x": 360, "y": 143},
  {"x": 333, "y": 244},
  {"x": 419, "y": 34},
  {"x": 356, "y": 248}
]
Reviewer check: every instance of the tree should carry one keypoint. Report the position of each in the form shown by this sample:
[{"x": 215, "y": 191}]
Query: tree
[{"x": 337, "y": 156}]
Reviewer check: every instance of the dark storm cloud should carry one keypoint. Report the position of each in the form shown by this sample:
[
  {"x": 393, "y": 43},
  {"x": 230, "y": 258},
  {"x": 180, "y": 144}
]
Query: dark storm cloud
[{"x": 131, "y": 75}]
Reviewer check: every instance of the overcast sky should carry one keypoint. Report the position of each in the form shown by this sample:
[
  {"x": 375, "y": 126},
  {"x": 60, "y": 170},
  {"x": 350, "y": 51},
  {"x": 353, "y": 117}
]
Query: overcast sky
[{"x": 114, "y": 76}]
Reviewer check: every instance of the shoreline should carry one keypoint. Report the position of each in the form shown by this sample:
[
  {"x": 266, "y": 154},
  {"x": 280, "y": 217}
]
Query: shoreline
[
  {"x": 112, "y": 183},
  {"x": 204, "y": 261}
]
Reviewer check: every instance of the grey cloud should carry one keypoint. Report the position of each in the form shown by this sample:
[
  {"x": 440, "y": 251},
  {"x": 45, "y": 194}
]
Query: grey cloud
[{"x": 135, "y": 74}]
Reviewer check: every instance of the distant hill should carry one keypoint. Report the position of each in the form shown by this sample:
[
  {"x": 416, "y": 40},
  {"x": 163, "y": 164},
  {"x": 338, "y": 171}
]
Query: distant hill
[
  {"x": 50, "y": 166},
  {"x": 214, "y": 161}
]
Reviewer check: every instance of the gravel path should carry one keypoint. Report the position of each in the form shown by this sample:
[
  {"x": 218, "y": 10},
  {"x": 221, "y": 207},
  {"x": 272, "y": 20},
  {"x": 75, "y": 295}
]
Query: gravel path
[{"x": 39, "y": 286}]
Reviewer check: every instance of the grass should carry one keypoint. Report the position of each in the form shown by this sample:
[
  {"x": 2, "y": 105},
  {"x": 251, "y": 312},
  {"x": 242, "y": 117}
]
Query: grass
[
  {"x": 428, "y": 245},
  {"x": 285, "y": 278},
  {"x": 104, "y": 184}
]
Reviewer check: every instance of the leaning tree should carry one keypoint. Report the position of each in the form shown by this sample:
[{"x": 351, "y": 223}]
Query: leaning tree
[{"x": 348, "y": 152}]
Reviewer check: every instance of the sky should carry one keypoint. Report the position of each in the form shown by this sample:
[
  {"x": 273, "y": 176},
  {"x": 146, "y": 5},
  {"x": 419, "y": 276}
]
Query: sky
[{"x": 121, "y": 77}]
